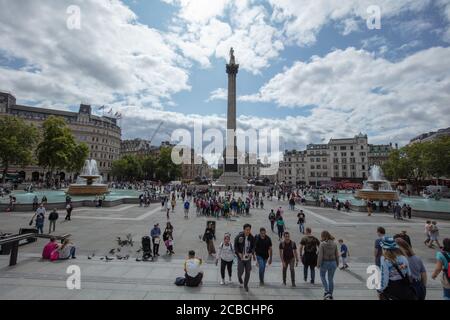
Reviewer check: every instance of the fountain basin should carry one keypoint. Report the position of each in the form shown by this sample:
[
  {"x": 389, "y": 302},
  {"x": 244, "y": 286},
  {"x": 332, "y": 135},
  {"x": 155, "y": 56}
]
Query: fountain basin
[
  {"x": 372, "y": 195},
  {"x": 87, "y": 190}
]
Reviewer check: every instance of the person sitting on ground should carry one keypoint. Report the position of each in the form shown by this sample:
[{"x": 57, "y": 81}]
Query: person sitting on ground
[
  {"x": 192, "y": 269},
  {"x": 49, "y": 248},
  {"x": 66, "y": 250}
]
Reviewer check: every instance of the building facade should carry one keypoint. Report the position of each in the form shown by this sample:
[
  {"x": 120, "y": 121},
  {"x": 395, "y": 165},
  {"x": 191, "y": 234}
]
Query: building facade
[
  {"x": 379, "y": 154},
  {"x": 430, "y": 136},
  {"x": 346, "y": 159},
  {"x": 137, "y": 147},
  {"x": 101, "y": 134}
]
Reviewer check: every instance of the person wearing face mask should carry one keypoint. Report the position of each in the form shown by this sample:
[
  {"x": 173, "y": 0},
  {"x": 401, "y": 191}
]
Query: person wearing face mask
[{"x": 226, "y": 256}]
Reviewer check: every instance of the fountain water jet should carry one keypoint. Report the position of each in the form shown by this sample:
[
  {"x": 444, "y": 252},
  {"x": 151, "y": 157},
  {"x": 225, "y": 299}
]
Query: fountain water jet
[
  {"x": 89, "y": 182},
  {"x": 377, "y": 188}
]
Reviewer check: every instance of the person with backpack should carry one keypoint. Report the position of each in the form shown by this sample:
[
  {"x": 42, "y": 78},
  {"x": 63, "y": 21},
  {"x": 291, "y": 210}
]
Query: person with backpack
[
  {"x": 289, "y": 257},
  {"x": 263, "y": 252},
  {"x": 53, "y": 216},
  {"x": 281, "y": 227},
  {"x": 226, "y": 257},
  {"x": 395, "y": 273},
  {"x": 186, "y": 209},
  {"x": 418, "y": 272},
  {"x": 442, "y": 265},
  {"x": 301, "y": 221},
  {"x": 327, "y": 262},
  {"x": 272, "y": 219},
  {"x": 40, "y": 218},
  {"x": 308, "y": 254}
]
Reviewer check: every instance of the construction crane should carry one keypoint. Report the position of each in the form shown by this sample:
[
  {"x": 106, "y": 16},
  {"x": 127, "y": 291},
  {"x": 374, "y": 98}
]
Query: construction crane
[{"x": 156, "y": 131}]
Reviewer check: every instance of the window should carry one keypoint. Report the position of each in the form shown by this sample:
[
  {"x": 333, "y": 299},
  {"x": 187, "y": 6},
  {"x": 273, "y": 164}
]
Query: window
[
  {"x": 336, "y": 167},
  {"x": 362, "y": 147},
  {"x": 324, "y": 159},
  {"x": 335, "y": 154},
  {"x": 317, "y": 159},
  {"x": 312, "y": 159},
  {"x": 335, "y": 160},
  {"x": 344, "y": 160},
  {"x": 352, "y": 154},
  {"x": 312, "y": 167},
  {"x": 351, "y": 148},
  {"x": 363, "y": 167},
  {"x": 343, "y": 154},
  {"x": 335, "y": 148},
  {"x": 343, "y": 148}
]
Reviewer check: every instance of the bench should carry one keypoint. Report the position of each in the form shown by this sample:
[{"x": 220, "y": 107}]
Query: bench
[{"x": 13, "y": 242}]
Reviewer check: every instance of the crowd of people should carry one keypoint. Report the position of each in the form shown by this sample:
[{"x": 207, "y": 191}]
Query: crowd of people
[{"x": 403, "y": 274}]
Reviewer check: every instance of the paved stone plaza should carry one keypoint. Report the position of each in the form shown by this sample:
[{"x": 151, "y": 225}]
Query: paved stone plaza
[{"x": 95, "y": 230}]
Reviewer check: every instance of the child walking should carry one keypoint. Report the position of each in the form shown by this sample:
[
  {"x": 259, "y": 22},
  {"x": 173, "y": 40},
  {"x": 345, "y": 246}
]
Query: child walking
[{"x": 344, "y": 254}]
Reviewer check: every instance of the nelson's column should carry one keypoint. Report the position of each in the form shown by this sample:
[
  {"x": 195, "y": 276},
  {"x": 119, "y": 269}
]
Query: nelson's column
[{"x": 231, "y": 176}]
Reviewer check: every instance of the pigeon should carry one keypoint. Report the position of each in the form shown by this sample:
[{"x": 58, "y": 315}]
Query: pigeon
[
  {"x": 138, "y": 260},
  {"x": 108, "y": 258},
  {"x": 112, "y": 251},
  {"x": 126, "y": 257},
  {"x": 89, "y": 258},
  {"x": 119, "y": 257},
  {"x": 118, "y": 249}
]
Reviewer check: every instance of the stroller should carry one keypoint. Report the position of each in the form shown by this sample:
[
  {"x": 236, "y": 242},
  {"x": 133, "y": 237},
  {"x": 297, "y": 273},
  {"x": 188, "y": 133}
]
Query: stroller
[{"x": 147, "y": 249}]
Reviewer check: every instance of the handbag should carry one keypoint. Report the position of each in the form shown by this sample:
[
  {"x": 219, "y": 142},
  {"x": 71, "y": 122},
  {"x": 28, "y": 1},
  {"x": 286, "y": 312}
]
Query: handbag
[
  {"x": 156, "y": 240},
  {"x": 31, "y": 222}
]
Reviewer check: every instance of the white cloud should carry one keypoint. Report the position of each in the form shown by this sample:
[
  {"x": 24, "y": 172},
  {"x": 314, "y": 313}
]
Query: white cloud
[
  {"x": 354, "y": 90},
  {"x": 247, "y": 29},
  {"x": 111, "y": 56},
  {"x": 218, "y": 94},
  {"x": 303, "y": 19}
]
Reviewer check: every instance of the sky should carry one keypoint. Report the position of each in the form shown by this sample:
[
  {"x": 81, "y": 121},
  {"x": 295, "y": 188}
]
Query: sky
[{"x": 313, "y": 69}]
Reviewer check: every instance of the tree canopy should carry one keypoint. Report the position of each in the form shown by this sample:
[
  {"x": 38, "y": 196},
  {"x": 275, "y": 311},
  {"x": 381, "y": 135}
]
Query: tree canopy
[{"x": 17, "y": 141}]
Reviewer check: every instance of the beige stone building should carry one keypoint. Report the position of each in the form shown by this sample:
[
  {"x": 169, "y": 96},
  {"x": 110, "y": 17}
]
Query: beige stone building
[{"x": 102, "y": 134}]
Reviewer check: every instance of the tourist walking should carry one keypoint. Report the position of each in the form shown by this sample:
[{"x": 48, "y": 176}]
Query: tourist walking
[
  {"x": 272, "y": 219},
  {"x": 442, "y": 265},
  {"x": 344, "y": 254},
  {"x": 378, "y": 249},
  {"x": 40, "y": 218},
  {"x": 263, "y": 252},
  {"x": 327, "y": 262},
  {"x": 403, "y": 235},
  {"x": 35, "y": 203},
  {"x": 289, "y": 257},
  {"x": 395, "y": 273},
  {"x": 186, "y": 209},
  {"x": 301, "y": 221},
  {"x": 434, "y": 235},
  {"x": 69, "y": 208},
  {"x": 155, "y": 234},
  {"x": 244, "y": 246},
  {"x": 308, "y": 254},
  {"x": 427, "y": 232},
  {"x": 168, "y": 241},
  {"x": 418, "y": 276},
  {"x": 53, "y": 216},
  {"x": 209, "y": 238},
  {"x": 280, "y": 227},
  {"x": 226, "y": 256}
]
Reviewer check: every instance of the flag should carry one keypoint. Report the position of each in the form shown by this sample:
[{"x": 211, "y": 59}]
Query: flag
[
  {"x": 110, "y": 111},
  {"x": 116, "y": 114},
  {"x": 119, "y": 116},
  {"x": 101, "y": 108}
]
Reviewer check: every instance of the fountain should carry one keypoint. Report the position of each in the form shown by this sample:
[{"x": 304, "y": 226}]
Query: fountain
[
  {"x": 89, "y": 182},
  {"x": 377, "y": 188}
]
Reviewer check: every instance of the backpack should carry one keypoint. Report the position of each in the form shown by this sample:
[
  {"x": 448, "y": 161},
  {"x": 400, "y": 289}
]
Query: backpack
[
  {"x": 447, "y": 271},
  {"x": 180, "y": 281},
  {"x": 40, "y": 219}
]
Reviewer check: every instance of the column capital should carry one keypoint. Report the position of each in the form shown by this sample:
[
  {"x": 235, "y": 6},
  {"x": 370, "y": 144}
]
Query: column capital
[{"x": 232, "y": 68}]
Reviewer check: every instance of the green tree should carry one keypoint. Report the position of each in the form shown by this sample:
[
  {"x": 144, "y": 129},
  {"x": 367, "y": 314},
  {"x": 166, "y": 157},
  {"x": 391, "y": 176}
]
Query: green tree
[
  {"x": 149, "y": 167},
  {"x": 166, "y": 170},
  {"x": 17, "y": 139},
  {"x": 127, "y": 168},
  {"x": 438, "y": 158},
  {"x": 56, "y": 150},
  {"x": 80, "y": 152},
  {"x": 217, "y": 173}
]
